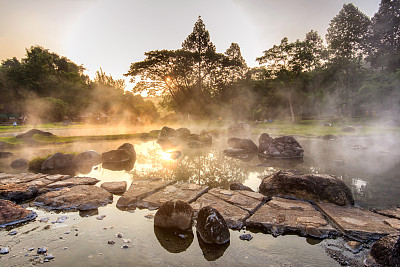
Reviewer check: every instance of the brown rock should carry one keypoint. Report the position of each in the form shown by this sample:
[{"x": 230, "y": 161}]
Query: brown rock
[
  {"x": 11, "y": 213},
  {"x": 236, "y": 198},
  {"x": 211, "y": 226},
  {"x": 81, "y": 197},
  {"x": 73, "y": 182},
  {"x": 114, "y": 187},
  {"x": 385, "y": 251},
  {"x": 281, "y": 147},
  {"x": 239, "y": 186},
  {"x": 310, "y": 187},
  {"x": 174, "y": 214}
]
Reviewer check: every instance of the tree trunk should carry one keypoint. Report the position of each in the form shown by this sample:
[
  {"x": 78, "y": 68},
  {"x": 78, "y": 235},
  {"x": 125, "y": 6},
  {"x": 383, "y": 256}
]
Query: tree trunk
[{"x": 291, "y": 106}]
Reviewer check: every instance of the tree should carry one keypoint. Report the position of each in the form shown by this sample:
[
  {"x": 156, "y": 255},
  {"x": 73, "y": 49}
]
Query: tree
[{"x": 384, "y": 40}]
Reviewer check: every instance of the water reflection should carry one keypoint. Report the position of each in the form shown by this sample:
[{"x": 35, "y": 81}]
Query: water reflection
[
  {"x": 212, "y": 252},
  {"x": 174, "y": 240}
]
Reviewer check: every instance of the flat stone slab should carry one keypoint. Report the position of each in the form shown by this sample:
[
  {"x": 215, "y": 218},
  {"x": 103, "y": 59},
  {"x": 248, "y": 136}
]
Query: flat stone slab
[
  {"x": 180, "y": 191},
  {"x": 139, "y": 190},
  {"x": 80, "y": 197},
  {"x": 73, "y": 182},
  {"x": 358, "y": 223},
  {"x": 11, "y": 213},
  {"x": 394, "y": 213},
  {"x": 249, "y": 201},
  {"x": 233, "y": 215},
  {"x": 279, "y": 216}
]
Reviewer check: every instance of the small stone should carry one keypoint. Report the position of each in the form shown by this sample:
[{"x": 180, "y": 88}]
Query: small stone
[
  {"x": 67, "y": 232},
  {"x": 149, "y": 216},
  {"x": 111, "y": 242},
  {"x": 47, "y": 227},
  {"x": 125, "y": 246},
  {"x": 49, "y": 257},
  {"x": 119, "y": 235},
  {"x": 65, "y": 248},
  {"x": 105, "y": 228},
  {"x": 246, "y": 237},
  {"x": 76, "y": 229},
  {"x": 31, "y": 249},
  {"x": 100, "y": 217},
  {"x": 4, "y": 250},
  {"x": 13, "y": 232},
  {"x": 44, "y": 220},
  {"x": 126, "y": 241},
  {"x": 60, "y": 219},
  {"x": 354, "y": 246},
  {"x": 42, "y": 250},
  {"x": 76, "y": 234},
  {"x": 182, "y": 236},
  {"x": 100, "y": 254}
]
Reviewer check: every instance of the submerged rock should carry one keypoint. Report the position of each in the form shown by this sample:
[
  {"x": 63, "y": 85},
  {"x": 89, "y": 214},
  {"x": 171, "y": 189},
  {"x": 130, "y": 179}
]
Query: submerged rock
[
  {"x": 11, "y": 213},
  {"x": 211, "y": 226},
  {"x": 81, "y": 197},
  {"x": 281, "y": 147},
  {"x": 174, "y": 214},
  {"x": 310, "y": 187},
  {"x": 385, "y": 252}
]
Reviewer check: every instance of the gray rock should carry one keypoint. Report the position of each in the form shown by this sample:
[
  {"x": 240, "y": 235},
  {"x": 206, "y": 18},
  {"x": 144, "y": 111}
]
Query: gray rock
[
  {"x": 281, "y": 147},
  {"x": 4, "y": 250},
  {"x": 211, "y": 226},
  {"x": 19, "y": 164},
  {"x": 41, "y": 250},
  {"x": 5, "y": 154},
  {"x": 167, "y": 133},
  {"x": 113, "y": 156},
  {"x": 309, "y": 187},
  {"x": 182, "y": 133},
  {"x": 174, "y": 214},
  {"x": 246, "y": 237},
  {"x": 59, "y": 161}
]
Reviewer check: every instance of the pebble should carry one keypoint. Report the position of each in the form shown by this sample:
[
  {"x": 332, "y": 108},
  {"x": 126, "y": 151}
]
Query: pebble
[
  {"x": 31, "y": 249},
  {"x": 119, "y": 235},
  {"x": 47, "y": 227},
  {"x": 126, "y": 241},
  {"x": 182, "y": 236},
  {"x": 4, "y": 250},
  {"x": 42, "y": 250},
  {"x": 247, "y": 237},
  {"x": 44, "y": 220},
  {"x": 60, "y": 219},
  {"x": 111, "y": 242},
  {"x": 67, "y": 232},
  {"x": 76, "y": 234},
  {"x": 13, "y": 232},
  {"x": 125, "y": 246},
  {"x": 65, "y": 248},
  {"x": 49, "y": 257},
  {"x": 149, "y": 216},
  {"x": 100, "y": 217}
]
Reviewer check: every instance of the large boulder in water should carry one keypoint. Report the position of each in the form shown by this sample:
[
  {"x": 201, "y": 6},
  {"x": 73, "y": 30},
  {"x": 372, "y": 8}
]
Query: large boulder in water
[
  {"x": 211, "y": 226},
  {"x": 309, "y": 187},
  {"x": 89, "y": 157},
  {"x": 167, "y": 133},
  {"x": 31, "y": 133},
  {"x": 125, "y": 153},
  {"x": 11, "y": 213},
  {"x": 174, "y": 214},
  {"x": 385, "y": 252},
  {"x": 59, "y": 161},
  {"x": 281, "y": 147},
  {"x": 245, "y": 144}
]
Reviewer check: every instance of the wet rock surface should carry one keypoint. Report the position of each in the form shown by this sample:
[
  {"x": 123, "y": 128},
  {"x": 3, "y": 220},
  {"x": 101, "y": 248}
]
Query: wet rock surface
[
  {"x": 239, "y": 186},
  {"x": 309, "y": 187},
  {"x": 59, "y": 161},
  {"x": 211, "y": 226},
  {"x": 357, "y": 223},
  {"x": 11, "y": 213},
  {"x": 114, "y": 187},
  {"x": 139, "y": 190},
  {"x": 245, "y": 144},
  {"x": 174, "y": 214},
  {"x": 282, "y": 147},
  {"x": 180, "y": 191},
  {"x": 385, "y": 252},
  {"x": 280, "y": 216},
  {"x": 81, "y": 197},
  {"x": 393, "y": 213},
  {"x": 73, "y": 182}
]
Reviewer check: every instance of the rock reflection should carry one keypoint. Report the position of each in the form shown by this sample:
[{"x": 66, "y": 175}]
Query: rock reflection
[
  {"x": 119, "y": 165},
  {"x": 174, "y": 240},
  {"x": 88, "y": 213},
  {"x": 212, "y": 252}
]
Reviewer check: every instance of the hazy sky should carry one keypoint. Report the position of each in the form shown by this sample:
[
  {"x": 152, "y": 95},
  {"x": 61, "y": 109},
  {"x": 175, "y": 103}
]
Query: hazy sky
[{"x": 112, "y": 34}]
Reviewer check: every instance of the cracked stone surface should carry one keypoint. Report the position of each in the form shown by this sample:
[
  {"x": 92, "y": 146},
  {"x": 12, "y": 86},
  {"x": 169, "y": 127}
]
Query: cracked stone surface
[{"x": 279, "y": 216}]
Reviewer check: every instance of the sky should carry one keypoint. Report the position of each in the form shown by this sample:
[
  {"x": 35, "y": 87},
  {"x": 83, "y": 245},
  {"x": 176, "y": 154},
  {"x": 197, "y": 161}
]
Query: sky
[{"x": 112, "y": 34}]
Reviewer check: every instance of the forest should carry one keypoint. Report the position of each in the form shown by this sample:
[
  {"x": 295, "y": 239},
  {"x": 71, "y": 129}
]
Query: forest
[{"x": 354, "y": 73}]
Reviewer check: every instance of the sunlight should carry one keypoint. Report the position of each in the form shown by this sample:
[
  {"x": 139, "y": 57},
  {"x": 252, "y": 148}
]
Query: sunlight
[{"x": 166, "y": 156}]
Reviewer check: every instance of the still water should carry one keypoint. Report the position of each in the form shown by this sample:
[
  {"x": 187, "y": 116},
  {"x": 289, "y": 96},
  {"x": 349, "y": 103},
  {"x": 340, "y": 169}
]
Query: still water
[{"x": 370, "y": 166}]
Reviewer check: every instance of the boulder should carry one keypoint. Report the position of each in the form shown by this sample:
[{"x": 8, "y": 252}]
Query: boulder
[
  {"x": 130, "y": 149},
  {"x": 281, "y": 147},
  {"x": 211, "y": 226},
  {"x": 19, "y": 164},
  {"x": 80, "y": 197},
  {"x": 167, "y": 133},
  {"x": 310, "y": 187},
  {"x": 11, "y": 213},
  {"x": 385, "y": 252},
  {"x": 31, "y": 133},
  {"x": 59, "y": 161},
  {"x": 182, "y": 133},
  {"x": 239, "y": 186},
  {"x": 89, "y": 157},
  {"x": 174, "y": 214},
  {"x": 245, "y": 144},
  {"x": 114, "y": 187},
  {"x": 205, "y": 138},
  {"x": 18, "y": 192},
  {"x": 119, "y": 155},
  {"x": 240, "y": 129}
]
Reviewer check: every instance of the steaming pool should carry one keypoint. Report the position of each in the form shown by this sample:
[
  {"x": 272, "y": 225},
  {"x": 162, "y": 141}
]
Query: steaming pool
[{"x": 370, "y": 166}]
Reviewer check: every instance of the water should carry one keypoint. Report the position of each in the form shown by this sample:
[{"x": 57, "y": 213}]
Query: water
[{"x": 368, "y": 165}]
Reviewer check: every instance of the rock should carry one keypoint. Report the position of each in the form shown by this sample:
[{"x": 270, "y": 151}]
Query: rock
[
  {"x": 59, "y": 161},
  {"x": 349, "y": 129},
  {"x": 89, "y": 157},
  {"x": 49, "y": 257},
  {"x": 279, "y": 216},
  {"x": 130, "y": 149},
  {"x": 329, "y": 137},
  {"x": 393, "y": 213},
  {"x": 114, "y": 187},
  {"x": 4, "y": 155},
  {"x": 264, "y": 137},
  {"x": 182, "y": 133},
  {"x": 174, "y": 214},
  {"x": 11, "y": 213},
  {"x": 310, "y": 187},
  {"x": 113, "y": 156},
  {"x": 167, "y": 133},
  {"x": 31, "y": 133},
  {"x": 211, "y": 226},
  {"x": 246, "y": 237},
  {"x": 73, "y": 182},
  {"x": 239, "y": 186},
  {"x": 385, "y": 252},
  {"x": 245, "y": 144},
  {"x": 19, "y": 164},
  {"x": 205, "y": 138},
  {"x": 4, "y": 250},
  {"x": 357, "y": 223},
  {"x": 240, "y": 129},
  {"x": 81, "y": 197},
  {"x": 281, "y": 147},
  {"x": 175, "y": 154},
  {"x": 247, "y": 202},
  {"x": 234, "y": 152},
  {"x": 41, "y": 250},
  {"x": 354, "y": 246},
  {"x": 13, "y": 232}
]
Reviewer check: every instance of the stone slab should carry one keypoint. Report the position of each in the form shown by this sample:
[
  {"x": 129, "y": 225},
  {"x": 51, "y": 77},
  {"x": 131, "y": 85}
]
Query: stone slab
[
  {"x": 394, "y": 213},
  {"x": 356, "y": 222},
  {"x": 233, "y": 215},
  {"x": 139, "y": 190},
  {"x": 73, "y": 182},
  {"x": 279, "y": 216},
  {"x": 180, "y": 191},
  {"x": 11, "y": 213},
  {"x": 241, "y": 200}
]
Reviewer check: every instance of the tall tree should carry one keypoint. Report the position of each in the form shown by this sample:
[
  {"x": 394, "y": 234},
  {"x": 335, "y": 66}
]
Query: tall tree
[{"x": 384, "y": 49}]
